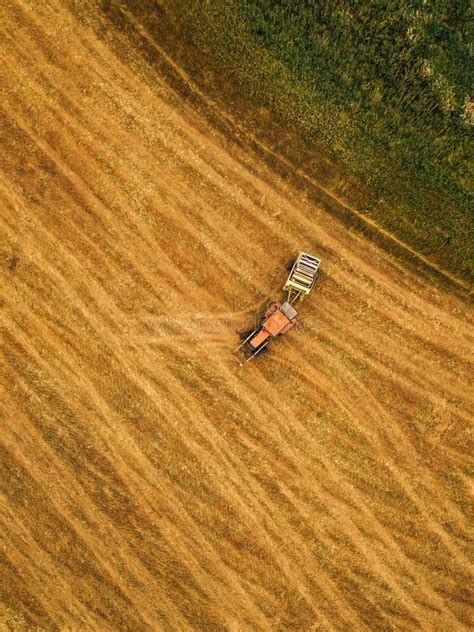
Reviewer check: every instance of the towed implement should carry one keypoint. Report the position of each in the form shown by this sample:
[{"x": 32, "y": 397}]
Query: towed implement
[
  {"x": 279, "y": 317},
  {"x": 304, "y": 272}
]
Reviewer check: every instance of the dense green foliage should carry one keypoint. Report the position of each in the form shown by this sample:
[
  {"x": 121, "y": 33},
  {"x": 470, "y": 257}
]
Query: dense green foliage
[{"x": 381, "y": 86}]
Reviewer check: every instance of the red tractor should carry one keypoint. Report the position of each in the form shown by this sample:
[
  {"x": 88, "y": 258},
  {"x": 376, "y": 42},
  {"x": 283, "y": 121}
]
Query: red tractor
[{"x": 278, "y": 317}]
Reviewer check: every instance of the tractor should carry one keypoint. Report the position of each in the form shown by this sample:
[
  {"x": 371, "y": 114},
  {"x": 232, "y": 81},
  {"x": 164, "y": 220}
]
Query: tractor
[{"x": 279, "y": 317}]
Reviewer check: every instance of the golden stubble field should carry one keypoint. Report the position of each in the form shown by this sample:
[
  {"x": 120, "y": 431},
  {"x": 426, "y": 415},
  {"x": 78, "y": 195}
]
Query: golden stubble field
[{"x": 148, "y": 482}]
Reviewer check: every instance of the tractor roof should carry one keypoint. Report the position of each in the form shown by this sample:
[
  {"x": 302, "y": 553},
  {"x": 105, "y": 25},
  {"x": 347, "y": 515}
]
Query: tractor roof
[
  {"x": 280, "y": 319},
  {"x": 275, "y": 323}
]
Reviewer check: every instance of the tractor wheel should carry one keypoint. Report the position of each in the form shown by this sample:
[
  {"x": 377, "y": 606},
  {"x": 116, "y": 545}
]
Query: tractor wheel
[
  {"x": 245, "y": 334},
  {"x": 290, "y": 264},
  {"x": 263, "y": 350}
]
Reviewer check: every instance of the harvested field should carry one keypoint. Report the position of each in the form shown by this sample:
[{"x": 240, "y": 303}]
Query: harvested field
[{"x": 147, "y": 481}]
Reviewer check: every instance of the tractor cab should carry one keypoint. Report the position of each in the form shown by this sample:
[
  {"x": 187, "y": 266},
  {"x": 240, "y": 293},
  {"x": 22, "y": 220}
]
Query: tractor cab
[{"x": 277, "y": 319}]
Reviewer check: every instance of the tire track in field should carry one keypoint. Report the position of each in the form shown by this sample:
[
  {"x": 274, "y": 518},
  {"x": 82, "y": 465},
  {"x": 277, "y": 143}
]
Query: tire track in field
[
  {"x": 326, "y": 465},
  {"x": 66, "y": 170},
  {"x": 335, "y": 477},
  {"x": 142, "y": 482}
]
